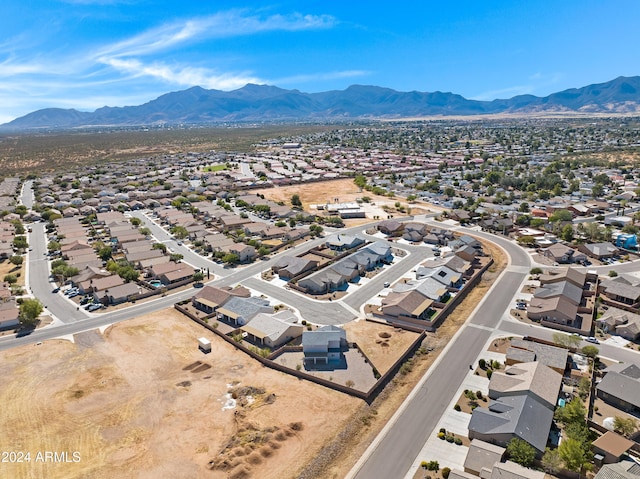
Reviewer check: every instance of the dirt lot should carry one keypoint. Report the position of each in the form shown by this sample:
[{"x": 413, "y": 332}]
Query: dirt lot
[
  {"x": 143, "y": 398},
  {"x": 345, "y": 191},
  {"x": 383, "y": 344},
  {"x": 7, "y": 267}
]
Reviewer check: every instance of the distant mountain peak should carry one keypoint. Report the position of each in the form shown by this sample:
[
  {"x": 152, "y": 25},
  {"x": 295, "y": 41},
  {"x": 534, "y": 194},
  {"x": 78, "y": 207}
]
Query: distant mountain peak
[{"x": 254, "y": 102}]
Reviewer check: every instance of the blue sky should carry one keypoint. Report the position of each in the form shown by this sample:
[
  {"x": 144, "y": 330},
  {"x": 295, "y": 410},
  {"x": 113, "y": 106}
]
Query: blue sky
[{"x": 85, "y": 54}]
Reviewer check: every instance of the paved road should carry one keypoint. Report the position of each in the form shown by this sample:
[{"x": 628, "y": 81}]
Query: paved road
[
  {"x": 404, "y": 438},
  {"x": 41, "y": 287},
  {"x": 26, "y": 194},
  {"x": 395, "y": 451}
]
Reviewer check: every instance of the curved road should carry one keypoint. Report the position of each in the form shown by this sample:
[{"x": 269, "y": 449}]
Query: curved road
[{"x": 395, "y": 450}]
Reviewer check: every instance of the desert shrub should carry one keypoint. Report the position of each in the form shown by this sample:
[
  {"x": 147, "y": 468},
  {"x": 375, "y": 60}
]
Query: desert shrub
[
  {"x": 445, "y": 472},
  {"x": 457, "y": 407},
  {"x": 489, "y": 373},
  {"x": 479, "y": 394},
  {"x": 482, "y": 363},
  {"x": 441, "y": 435},
  {"x": 433, "y": 466},
  {"x": 458, "y": 441},
  {"x": 449, "y": 438}
]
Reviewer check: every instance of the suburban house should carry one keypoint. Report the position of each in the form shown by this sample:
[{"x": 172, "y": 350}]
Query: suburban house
[
  {"x": 564, "y": 302},
  {"x": 324, "y": 346},
  {"x": 621, "y": 387},
  {"x": 539, "y": 380},
  {"x": 9, "y": 314},
  {"x": 239, "y": 311},
  {"x": 599, "y": 250},
  {"x": 407, "y": 305},
  {"x": 621, "y": 323},
  {"x": 171, "y": 272},
  {"x": 210, "y": 298},
  {"x": 482, "y": 455},
  {"x": 244, "y": 252},
  {"x": 342, "y": 242},
  {"x": 620, "y": 470},
  {"x": 288, "y": 267},
  {"x": 507, "y": 417},
  {"x": 623, "y": 290},
  {"x": 610, "y": 447},
  {"x": 349, "y": 268},
  {"x": 117, "y": 294},
  {"x": 99, "y": 283},
  {"x": 554, "y": 357},
  {"x": 273, "y": 330},
  {"x": 428, "y": 287},
  {"x": 563, "y": 254},
  {"x": 391, "y": 227},
  {"x": 485, "y": 460}
]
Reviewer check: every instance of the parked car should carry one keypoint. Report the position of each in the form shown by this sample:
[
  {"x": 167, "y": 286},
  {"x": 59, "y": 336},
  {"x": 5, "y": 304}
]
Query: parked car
[
  {"x": 55, "y": 290},
  {"x": 593, "y": 340},
  {"x": 94, "y": 307}
]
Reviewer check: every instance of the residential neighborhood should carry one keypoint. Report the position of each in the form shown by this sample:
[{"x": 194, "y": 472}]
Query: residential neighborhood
[{"x": 348, "y": 290}]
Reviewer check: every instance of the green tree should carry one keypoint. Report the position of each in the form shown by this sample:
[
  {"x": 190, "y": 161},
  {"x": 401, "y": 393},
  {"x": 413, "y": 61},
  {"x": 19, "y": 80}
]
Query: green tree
[
  {"x": 53, "y": 246},
  {"x": 567, "y": 233},
  {"x": 18, "y": 227},
  {"x": 567, "y": 340},
  {"x": 175, "y": 257},
  {"x": 295, "y": 201},
  {"x": 135, "y": 221},
  {"x": 20, "y": 242},
  {"x": 179, "y": 232},
  {"x": 551, "y": 461},
  {"x": 231, "y": 258},
  {"x": 128, "y": 273},
  {"x": 590, "y": 351},
  {"x": 105, "y": 253},
  {"x": 21, "y": 210},
  {"x": 10, "y": 278},
  {"x": 561, "y": 215},
  {"x": 30, "y": 309},
  {"x": 625, "y": 426},
  {"x": 573, "y": 455},
  {"x": 521, "y": 452},
  {"x": 198, "y": 276},
  {"x": 574, "y": 411},
  {"x": 160, "y": 246},
  {"x": 16, "y": 260},
  {"x": 360, "y": 181}
]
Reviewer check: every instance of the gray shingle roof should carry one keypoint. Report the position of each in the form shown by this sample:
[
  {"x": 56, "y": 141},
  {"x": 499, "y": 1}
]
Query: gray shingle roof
[{"x": 521, "y": 416}]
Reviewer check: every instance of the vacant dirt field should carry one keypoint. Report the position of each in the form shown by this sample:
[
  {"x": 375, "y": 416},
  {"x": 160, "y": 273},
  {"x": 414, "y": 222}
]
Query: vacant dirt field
[
  {"x": 7, "y": 267},
  {"x": 143, "y": 398},
  {"x": 383, "y": 344},
  {"x": 345, "y": 191}
]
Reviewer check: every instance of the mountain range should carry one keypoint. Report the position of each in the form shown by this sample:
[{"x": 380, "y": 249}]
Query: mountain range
[{"x": 270, "y": 103}]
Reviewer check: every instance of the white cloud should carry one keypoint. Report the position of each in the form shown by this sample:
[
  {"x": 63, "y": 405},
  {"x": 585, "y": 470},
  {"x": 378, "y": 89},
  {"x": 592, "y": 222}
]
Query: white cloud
[
  {"x": 220, "y": 25},
  {"x": 183, "y": 75}
]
